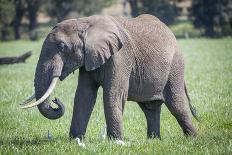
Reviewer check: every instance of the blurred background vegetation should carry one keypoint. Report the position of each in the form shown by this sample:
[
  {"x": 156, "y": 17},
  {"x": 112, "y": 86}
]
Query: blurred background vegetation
[
  {"x": 208, "y": 75},
  {"x": 32, "y": 19}
]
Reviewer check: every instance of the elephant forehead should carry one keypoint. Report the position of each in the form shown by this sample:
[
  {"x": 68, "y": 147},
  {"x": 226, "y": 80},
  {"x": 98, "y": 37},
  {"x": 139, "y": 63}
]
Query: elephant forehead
[
  {"x": 67, "y": 26},
  {"x": 57, "y": 36}
]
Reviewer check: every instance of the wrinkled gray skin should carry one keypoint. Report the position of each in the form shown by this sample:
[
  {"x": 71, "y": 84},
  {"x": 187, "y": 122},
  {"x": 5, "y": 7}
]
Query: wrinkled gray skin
[{"x": 134, "y": 59}]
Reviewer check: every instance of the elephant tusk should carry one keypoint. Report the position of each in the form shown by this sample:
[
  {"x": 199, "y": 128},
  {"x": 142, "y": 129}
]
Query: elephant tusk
[
  {"x": 44, "y": 97},
  {"x": 28, "y": 100}
]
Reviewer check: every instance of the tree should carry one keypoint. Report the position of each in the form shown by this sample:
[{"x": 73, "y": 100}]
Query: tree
[
  {"x": 61, "y": 8},
  {"x": 32, "y": 8},
  {"x": 165, "y": 10},
  {"x": 214, "y": 16},
  {"x": 6, "y": 16},
  {"x": 22, "y": 7},
  {"x": 134, "y": 7},
  {"x": 89, "y": 7}
]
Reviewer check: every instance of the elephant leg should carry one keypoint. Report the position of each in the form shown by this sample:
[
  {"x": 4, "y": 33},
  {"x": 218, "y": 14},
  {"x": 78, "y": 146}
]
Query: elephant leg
[
  {"x": 175, "y": 97},
  {"x": 84, "y": 102},
  {"x": 177, "y": 106},
  {"x": 115, "y": 91},
  {"x": 152, "y": 113},
  {"x": 113, "y": 108},
  {"x": 104, "y": 128}
]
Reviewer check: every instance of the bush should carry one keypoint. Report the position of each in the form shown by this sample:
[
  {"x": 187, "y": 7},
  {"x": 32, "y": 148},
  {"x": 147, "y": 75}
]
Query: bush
[
  {"x": 163, "y": 9},
  {"x": 61, "y": 8},
  {"x": 185, "y": 29},
  {"x": 214, "y": 16},
  {"x": 6, "y": 16}
]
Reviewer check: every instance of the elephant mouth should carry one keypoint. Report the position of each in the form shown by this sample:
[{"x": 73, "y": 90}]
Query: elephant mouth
[
  {"x": 64, "y": 73},
  {"x": 63, "y": 76}
]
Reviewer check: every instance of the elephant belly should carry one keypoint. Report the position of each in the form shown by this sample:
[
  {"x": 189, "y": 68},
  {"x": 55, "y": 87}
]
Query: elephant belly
[{"x": 147, "y": 84}]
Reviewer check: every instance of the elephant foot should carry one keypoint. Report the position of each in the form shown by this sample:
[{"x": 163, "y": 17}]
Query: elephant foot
[
  {"x": 190, "y": 132},
  {"x": 74, "y": 135},
  {"x": 154, "y": 136}
]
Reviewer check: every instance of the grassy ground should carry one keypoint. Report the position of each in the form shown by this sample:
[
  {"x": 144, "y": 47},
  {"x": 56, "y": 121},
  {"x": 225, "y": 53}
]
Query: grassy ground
[{"x": 208, "y": 75}]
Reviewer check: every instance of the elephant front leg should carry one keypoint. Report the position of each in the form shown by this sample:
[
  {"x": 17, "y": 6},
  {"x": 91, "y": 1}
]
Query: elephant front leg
[
  {"x": 113, "y": 108},
  {"x": 85, "y": 99},
  {"x": 115, "y": 92}
]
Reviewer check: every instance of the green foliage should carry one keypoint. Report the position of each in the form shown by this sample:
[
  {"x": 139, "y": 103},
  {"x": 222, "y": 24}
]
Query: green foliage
[
  {"x": 12, "y": 13},
  {"x": 215, "y": 16},
  {"x": 185, "y": 29},
  {"x": 61, "y": 8},
  {"x": 163, "y": 9},
  {"x": 90, "y": 7},
  {"x": 7, "y": 13},
  {"x": 208, "y": 75}
]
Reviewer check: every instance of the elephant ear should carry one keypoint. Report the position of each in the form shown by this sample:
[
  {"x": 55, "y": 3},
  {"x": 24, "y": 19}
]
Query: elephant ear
[{"x": 102, "y": 40}]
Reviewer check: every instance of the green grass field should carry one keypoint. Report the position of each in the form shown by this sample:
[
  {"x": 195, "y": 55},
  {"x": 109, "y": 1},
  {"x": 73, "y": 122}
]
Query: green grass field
[{"x": 209, "y": 80}]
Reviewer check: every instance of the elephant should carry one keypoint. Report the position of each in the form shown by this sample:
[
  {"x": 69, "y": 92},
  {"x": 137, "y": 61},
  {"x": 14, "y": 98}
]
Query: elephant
[{"x": 136, "y": 59}]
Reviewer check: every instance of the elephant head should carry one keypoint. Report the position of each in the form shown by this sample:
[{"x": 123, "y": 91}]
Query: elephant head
[{"x": 85, "y": 42}]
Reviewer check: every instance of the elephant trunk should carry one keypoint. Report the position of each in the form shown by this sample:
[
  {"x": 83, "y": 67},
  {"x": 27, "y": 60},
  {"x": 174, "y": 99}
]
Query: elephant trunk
[{"x": 46, "y": 75}]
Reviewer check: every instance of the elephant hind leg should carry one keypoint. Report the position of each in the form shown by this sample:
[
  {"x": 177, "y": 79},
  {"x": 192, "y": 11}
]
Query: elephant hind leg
[
  {"x": 175, "y": 97},
  {"x": 152, "y": 113},
  {"x": 177, "y": 106}
]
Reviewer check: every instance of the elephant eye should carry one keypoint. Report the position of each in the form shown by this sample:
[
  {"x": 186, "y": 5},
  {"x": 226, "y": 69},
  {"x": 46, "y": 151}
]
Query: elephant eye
[{"x": 62, "y": 46}]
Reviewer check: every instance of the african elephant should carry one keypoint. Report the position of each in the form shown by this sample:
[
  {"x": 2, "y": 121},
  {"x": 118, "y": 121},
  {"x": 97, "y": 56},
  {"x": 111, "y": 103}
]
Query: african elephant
[{"x": 135, "y": 59}]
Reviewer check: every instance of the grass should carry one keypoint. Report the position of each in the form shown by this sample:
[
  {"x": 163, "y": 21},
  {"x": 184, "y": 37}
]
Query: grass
[{"x": 208, "y": 75}]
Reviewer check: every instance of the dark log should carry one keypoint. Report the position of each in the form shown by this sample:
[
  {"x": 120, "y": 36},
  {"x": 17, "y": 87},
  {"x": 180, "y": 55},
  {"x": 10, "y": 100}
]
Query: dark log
[{"x": 11, "y": 60}]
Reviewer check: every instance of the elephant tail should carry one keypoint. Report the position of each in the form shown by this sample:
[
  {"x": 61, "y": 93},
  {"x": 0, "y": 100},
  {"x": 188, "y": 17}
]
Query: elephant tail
[{"x": 192, "y": 108}]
